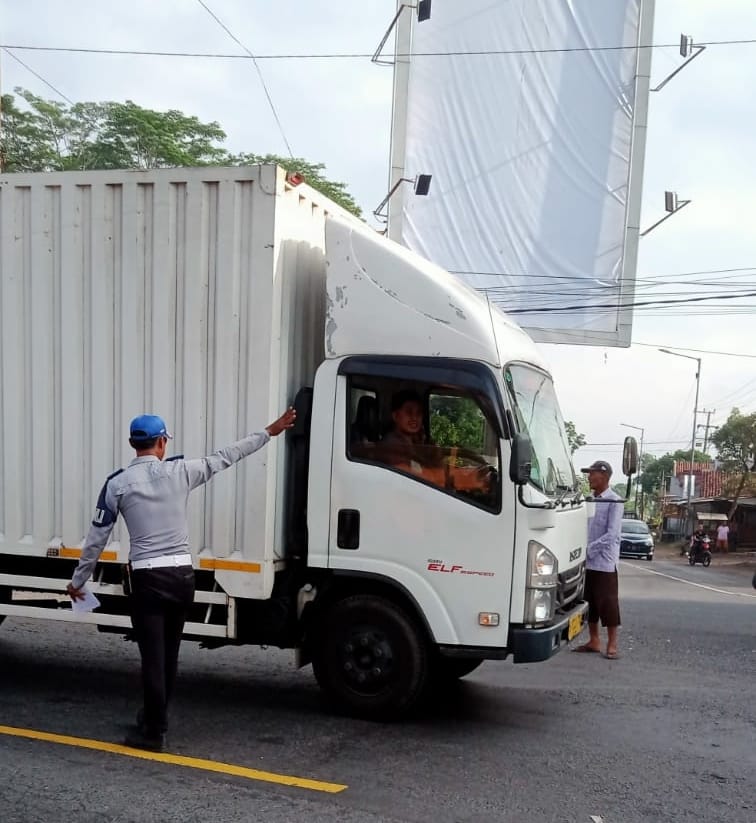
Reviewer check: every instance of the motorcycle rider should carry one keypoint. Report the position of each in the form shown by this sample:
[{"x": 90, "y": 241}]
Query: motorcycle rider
[{"x": 696, "y": 541}]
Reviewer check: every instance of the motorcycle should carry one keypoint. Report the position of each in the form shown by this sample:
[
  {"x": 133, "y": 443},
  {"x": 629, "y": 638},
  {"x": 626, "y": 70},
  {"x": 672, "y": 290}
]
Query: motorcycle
[{"x": 700, "y": 551}]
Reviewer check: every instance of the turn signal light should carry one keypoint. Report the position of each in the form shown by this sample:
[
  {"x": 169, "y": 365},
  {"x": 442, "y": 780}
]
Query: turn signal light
[{"x": 488, "y": 619}]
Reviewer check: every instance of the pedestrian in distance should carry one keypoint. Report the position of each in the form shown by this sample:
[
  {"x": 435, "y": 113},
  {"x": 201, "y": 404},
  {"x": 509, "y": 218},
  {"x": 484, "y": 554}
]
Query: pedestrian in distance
[
  {"x": 602, "y": 556},
  {"x": 723, "y": 537},
  {"x": 152, "y": 493}
]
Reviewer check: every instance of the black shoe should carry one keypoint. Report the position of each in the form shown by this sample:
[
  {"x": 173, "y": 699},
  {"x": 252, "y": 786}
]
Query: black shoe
[
  {"x": 139, "y": 738},
  {"x": 141, "y": 725}
]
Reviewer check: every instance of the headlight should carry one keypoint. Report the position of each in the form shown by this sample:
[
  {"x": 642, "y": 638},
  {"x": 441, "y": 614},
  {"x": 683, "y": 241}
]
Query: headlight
[
  {"x": 539, "y": 605},
  {"x": 540, "y": 592},
  {"x": 542, "y": 566}
]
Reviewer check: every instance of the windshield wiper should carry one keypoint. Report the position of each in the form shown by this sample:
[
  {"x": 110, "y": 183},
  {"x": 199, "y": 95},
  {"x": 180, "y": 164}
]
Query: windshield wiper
[{"x": 563, "y": 492}]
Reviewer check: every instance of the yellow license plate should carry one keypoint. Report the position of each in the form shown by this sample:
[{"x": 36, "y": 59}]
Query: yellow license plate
[{"x": 575, "y": 626}]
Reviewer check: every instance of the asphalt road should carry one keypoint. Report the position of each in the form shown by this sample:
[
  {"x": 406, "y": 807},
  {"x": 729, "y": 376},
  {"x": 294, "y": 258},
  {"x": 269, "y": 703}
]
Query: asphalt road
[{"x": 665, "y": 733}]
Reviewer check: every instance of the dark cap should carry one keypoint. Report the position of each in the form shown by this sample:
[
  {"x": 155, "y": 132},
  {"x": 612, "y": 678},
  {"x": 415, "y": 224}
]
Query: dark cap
[{"x": 599, "y": 466}]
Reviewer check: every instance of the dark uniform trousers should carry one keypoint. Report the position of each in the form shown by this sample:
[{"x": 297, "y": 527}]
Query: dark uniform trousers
[{"x": 159, "y": 603}]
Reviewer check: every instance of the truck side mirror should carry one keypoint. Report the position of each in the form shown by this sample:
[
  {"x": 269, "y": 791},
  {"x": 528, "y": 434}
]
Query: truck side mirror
[
  {"x": 521, "y": 461},
  {"x": 630, "y": 457}
]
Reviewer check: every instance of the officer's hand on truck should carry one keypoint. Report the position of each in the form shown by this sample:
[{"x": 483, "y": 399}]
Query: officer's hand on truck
[{"x": 285, "y": 421}]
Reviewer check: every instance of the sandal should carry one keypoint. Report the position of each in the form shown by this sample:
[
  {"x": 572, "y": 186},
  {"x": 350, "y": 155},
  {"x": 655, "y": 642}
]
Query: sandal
[{"x": 586, "y": 648}]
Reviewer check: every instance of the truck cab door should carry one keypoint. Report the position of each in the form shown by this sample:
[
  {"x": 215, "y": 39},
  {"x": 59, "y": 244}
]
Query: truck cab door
[{"x": 436, "y": 522}]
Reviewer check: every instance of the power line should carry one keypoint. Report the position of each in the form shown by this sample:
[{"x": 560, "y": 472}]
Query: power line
[
  {"x": 37, "y": 75},
  {"x": 645, "y": 443},
  {"x": 580, "y": 277},
  {"x": 698, "y": 351},
  {"x": 618, "y": 306},
  {"x": 257, "y": 68},
  {"x": 360, "y": 56}
]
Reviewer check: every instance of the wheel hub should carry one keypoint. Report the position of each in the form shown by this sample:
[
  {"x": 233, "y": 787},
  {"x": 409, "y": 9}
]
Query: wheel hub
[{"x": 367, "y": 659}]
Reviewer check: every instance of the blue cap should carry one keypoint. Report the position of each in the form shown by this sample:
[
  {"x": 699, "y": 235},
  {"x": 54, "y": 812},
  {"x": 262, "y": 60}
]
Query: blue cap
[{"x": 148, "y": 427}]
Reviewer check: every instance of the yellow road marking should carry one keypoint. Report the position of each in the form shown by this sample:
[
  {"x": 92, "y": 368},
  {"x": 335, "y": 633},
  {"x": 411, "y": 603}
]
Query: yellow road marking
[
  {"x": 229, "y": 565},
  {"x": 177, "y": 760}
]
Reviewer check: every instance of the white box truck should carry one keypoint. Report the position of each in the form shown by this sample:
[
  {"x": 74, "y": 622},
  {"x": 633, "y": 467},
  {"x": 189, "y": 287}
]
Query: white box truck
[{"x": 215, "y": 297}]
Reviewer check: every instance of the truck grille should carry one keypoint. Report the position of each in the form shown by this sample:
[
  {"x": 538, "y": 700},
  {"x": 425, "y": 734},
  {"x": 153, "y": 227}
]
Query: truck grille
[{"x": 570, "y": 587}]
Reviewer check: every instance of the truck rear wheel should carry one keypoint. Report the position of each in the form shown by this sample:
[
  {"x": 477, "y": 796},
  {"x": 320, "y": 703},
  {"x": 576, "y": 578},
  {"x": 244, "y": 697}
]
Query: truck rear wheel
[{"x": 370, "y": 658}]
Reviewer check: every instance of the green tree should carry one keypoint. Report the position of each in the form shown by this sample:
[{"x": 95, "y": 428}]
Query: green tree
[
  {"x": 735, "y": 441},
  {"x": 573, "y": 438},
  {"x": 313, "y": 174},
  {"x": 656, "y": 468},
  {"x": 51, "y": 136},
  {"x": 456, "y": 421}
]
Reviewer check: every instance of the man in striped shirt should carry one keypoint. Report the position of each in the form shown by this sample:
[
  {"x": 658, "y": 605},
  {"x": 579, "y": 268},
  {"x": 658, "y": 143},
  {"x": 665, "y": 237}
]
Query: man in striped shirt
[{"x": 602, "y": 556}]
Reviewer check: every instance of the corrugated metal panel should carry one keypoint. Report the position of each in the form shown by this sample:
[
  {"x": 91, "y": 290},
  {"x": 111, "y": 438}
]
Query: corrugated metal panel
[{"x": 190, "y": 293}]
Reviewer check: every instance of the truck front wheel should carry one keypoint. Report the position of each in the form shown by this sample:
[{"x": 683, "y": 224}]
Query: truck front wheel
[{"x": 370, "y": 657}]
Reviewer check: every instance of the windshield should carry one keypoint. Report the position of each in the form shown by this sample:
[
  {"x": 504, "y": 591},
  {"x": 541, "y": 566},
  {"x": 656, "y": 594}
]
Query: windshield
[
  {"x": 634, "y": 527},
  {"x": 537, "y": 411}
]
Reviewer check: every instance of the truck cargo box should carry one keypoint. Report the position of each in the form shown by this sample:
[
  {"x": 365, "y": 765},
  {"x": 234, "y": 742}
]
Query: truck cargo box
[{"x": 196, "y": 294}]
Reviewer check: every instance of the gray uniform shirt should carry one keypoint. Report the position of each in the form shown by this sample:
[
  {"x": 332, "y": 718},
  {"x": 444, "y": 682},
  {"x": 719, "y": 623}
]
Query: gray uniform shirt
[{"x": 151, "y": 495}]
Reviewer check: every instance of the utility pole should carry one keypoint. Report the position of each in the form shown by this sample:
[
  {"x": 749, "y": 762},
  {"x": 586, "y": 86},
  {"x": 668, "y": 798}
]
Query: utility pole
[
  {"x": 689, "y": 521},
  {"x": 708, "y": 413}
]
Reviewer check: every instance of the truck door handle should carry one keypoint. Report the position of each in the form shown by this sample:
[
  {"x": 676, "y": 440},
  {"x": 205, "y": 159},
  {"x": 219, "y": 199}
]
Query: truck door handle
[{"x": 348, "y": 530}]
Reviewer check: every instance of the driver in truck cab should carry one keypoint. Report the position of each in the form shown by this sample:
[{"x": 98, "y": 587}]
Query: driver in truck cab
[{"x": 407, "y": 447}]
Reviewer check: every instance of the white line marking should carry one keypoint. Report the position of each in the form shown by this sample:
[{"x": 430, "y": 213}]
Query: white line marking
[
  {"x": 689, "y": 582},
  {"x": 596, "y": 819}
]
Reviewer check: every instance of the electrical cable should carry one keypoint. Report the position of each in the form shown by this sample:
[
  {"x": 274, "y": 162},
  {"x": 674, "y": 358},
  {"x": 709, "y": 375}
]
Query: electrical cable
[
  {"x": 37, "y": 75},
  {"x": 620, "y": 306},
  {"x": 257, "y": 68},
  {"x": 365, "y": 55}
]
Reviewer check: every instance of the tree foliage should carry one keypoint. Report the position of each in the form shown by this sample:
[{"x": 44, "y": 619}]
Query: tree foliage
[
  {"x": 46, "y": 135},
  {"x": 313, "y": 174},
  {"x": 456, "y": 421},
  {"x": 573, "y": 438},
  {"x": 657, "y": 468},
  {"x": 735, "y": 441}
]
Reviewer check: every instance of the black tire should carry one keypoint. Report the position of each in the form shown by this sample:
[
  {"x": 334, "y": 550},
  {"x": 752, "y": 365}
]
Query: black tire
[
  {"x": 370, "y": 658},
  {"x": 692, "y": 560},
  {"x": 649, "y": 557},
  {"x": 453, "y": 668},
  {"x": 706, "y": 560}
]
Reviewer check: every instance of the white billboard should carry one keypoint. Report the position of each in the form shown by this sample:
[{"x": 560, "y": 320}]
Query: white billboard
[{"x": 530, "y": 115}]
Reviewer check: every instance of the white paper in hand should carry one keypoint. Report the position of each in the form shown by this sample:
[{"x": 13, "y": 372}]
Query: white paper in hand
[{"x": 86, "y": 604}]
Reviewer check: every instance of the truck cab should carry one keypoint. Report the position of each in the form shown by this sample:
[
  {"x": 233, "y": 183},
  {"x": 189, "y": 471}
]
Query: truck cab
[{"x": 472, "y": 532}]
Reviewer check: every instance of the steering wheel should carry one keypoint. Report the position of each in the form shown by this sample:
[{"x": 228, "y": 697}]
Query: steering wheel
[{"x": 466, "y": 459}]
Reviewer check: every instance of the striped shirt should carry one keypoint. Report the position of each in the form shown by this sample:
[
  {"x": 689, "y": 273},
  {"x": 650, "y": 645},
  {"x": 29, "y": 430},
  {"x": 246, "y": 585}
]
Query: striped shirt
[{"x": 602, "y": 553}]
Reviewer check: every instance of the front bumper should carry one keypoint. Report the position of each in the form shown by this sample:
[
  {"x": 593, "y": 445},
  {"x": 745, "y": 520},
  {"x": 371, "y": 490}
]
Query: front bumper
[
  {"x": 533, "y": 645},
  {"x": 628, "y": 549}
]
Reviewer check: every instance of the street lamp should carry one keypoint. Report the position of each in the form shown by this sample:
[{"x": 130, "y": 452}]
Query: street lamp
[
  {"x": 640, "y": 465},
  {"x": 695, "y": 410}
]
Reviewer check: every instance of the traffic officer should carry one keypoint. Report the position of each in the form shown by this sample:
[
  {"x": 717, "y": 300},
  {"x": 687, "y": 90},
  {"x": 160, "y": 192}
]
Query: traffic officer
[{"x": 152, "y": 495}]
